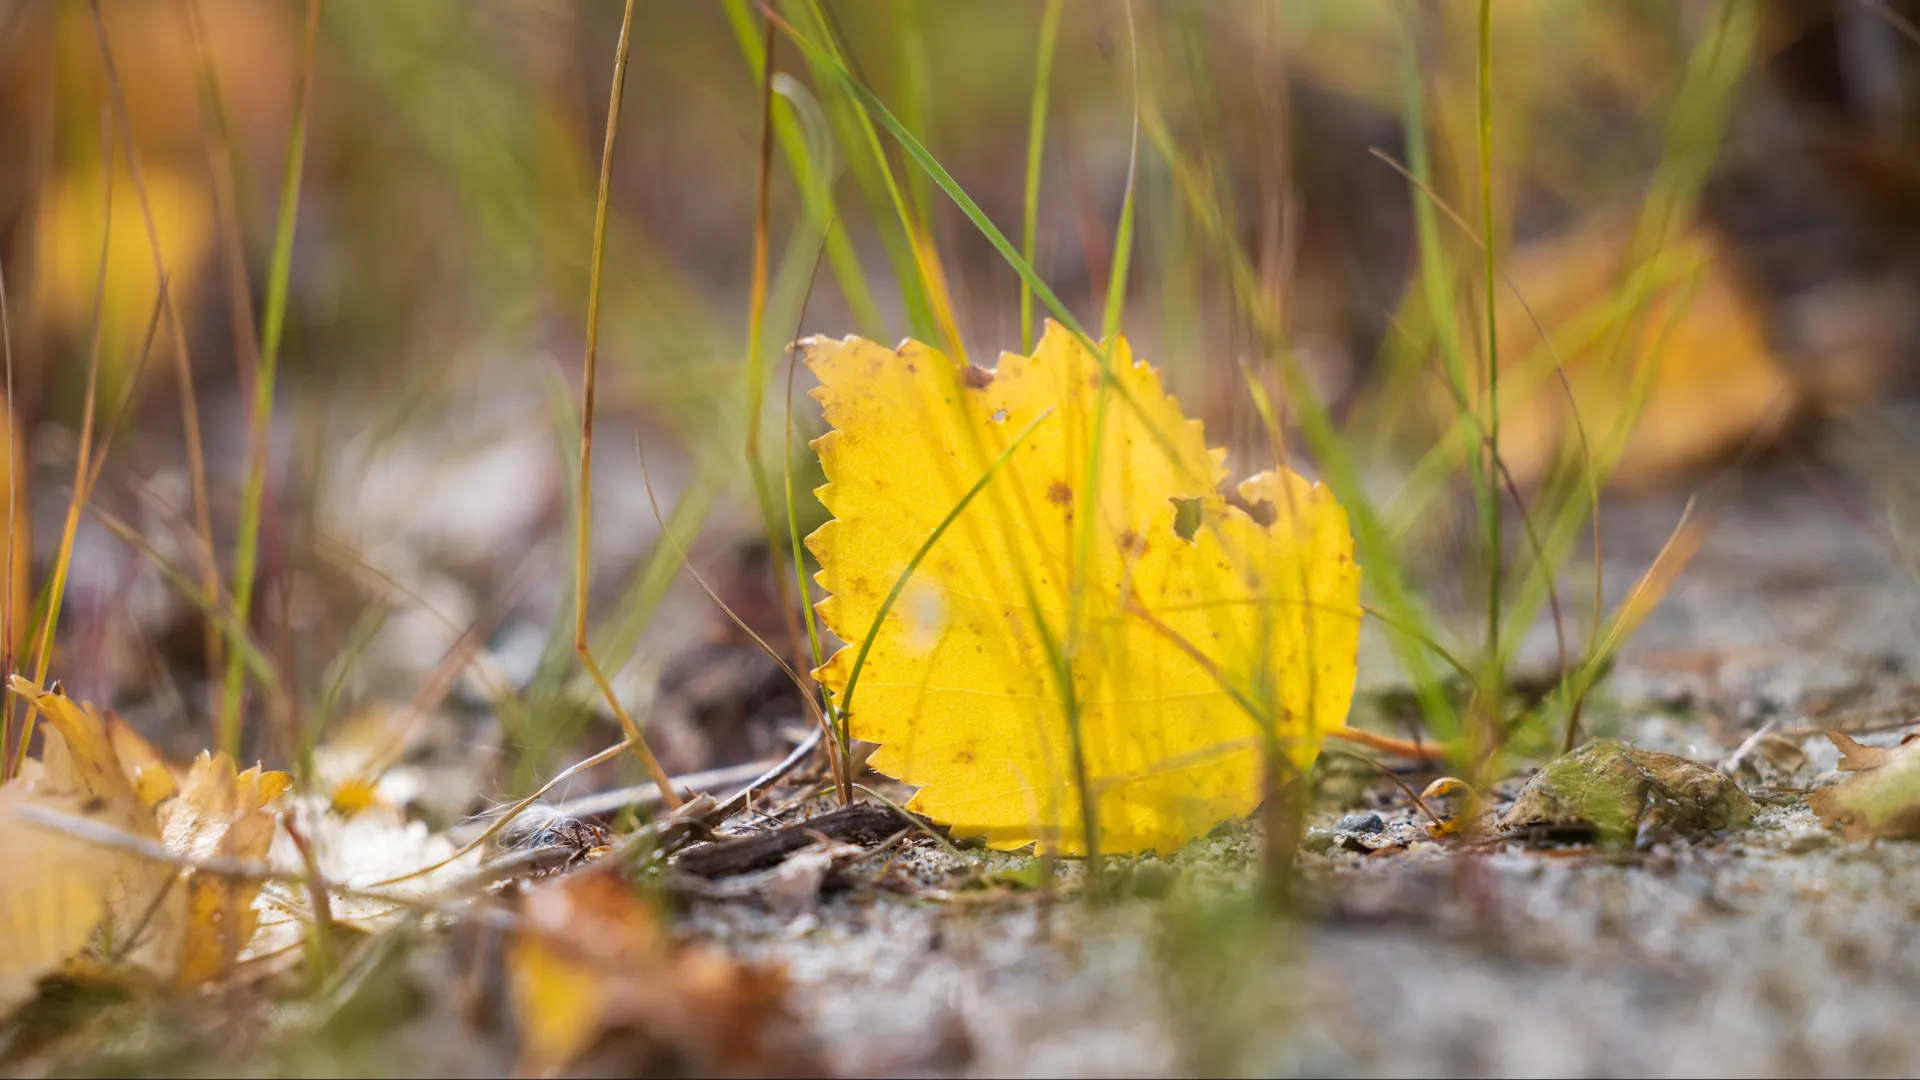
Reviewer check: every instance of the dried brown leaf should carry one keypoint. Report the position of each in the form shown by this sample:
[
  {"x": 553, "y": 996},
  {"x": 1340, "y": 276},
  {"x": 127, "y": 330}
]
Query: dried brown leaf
[
  {"x": 148, "y": 913},
  {"x": 594, "y": 971},
  {"x": 1857, "y": 757},
  {"x": 1882, "y": 799}
]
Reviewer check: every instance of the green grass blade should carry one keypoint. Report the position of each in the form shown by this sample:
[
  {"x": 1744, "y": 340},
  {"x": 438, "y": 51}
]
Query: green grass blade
[
  {"x": 812, "y": 170},
  {"x": 1036, "y": 145},
  {"x": 1123, "y": 234},
  {"x": 273, "y": 323},
  {"x": 1491, "y": 503}
]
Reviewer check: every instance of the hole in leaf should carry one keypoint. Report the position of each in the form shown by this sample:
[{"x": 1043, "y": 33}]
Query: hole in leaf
[
  {"x": 1186, "y": 518},
  {"x": 999, "y": 416}
]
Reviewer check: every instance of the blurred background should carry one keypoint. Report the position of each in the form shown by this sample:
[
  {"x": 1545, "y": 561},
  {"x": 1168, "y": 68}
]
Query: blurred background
[{"x": 1709, "y": 207}]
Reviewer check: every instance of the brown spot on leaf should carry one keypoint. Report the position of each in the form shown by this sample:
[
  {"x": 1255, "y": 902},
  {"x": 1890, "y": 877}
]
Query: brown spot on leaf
[
  {"x": 1059, "y": 494},
  {"x": 974, "y": 377}
]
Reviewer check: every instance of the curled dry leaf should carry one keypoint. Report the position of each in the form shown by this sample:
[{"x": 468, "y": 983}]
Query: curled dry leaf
[
  {"x": 1453, "y": 797},
  {"x": 63, "y": 895},
  {"x": 1882, "y": 799},
  {"x": 219, "y": 812},
  {"x": 1142, "y": 643},
  {"x": 593, "y": 962}
]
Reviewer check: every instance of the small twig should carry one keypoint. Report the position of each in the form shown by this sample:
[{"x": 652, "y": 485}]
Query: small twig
[
  {"x": 515, "y": 811},
  {"x": 769, "y": 778},
  {"x": 1387, "y": 744},
  {"x": 321, "y": 940},
  {"x": 1391, "y": 775},
  {"x": 936, "y": 835},
  {"x": 646, "y": 796},
  {"x": 699, "y": 816},
  {"x": 1747, "y": 745},
  {"x": 1903, "y": 720}
]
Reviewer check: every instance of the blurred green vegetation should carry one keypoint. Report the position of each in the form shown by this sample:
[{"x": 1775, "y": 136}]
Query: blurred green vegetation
[{"x": 1280, "y": 262}]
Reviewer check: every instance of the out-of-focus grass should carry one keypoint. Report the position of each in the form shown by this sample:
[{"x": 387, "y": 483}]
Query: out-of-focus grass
[
  {"x": 1194, "y": 174},
  {"x": 449, "y": 188}
]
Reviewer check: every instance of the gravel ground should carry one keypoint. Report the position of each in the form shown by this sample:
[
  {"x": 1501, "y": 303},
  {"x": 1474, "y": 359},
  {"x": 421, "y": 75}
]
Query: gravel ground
[{"x": 1778, "y": 950}]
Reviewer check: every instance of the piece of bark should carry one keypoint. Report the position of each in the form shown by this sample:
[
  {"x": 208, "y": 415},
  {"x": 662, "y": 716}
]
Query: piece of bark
[{"x": 860, "y": 824}]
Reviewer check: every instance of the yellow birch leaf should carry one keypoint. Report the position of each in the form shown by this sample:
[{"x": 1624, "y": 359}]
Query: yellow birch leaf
[
  {"x": 1190, "y": 647},
  {"x": 220, "y": 910}
]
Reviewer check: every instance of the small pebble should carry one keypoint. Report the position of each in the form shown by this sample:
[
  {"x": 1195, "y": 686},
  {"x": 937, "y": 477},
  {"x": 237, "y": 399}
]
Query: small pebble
[
  {"x": 1361, "y": 823},
  {"x": 1801, "y": 843}
]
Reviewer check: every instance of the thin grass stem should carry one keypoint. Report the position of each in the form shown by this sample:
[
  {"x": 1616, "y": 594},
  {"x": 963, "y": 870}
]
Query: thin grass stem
[
  {"x": 273, "y": 324},
  {"x": 1493, "y": 687},
  {"x": 583, "y": 523},
  {"x": 182, "y": 359},
  {"x": 63, "y": 556},
  {"x": 756, "y": 347}
]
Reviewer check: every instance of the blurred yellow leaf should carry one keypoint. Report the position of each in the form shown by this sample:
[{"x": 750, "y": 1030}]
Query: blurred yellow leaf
[
  {"x": 558, "y": 1001},
  {"x": 1668, "y": 383},
  {"x": 67, "y": 252},
  {"x": 1202, "y": 629}
]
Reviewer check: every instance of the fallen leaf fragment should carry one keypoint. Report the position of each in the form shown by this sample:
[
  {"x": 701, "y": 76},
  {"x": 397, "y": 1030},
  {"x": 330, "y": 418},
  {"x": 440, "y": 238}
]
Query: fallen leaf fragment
[
  {"x": 1856, "y": 756},
  {"x": 1882, "y": 800},
  {"x": 52, "y": 894},
  {"x": 1190, "y": 646},
  {"x": 62, "y": 894},
  {"x": 152, "y": 777},
  {"x": 219, "y": 812},
  {"x": 594, "y": 963},
  {"x": 1456, "y": 800}
]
